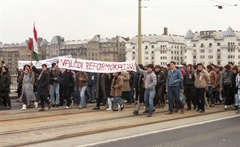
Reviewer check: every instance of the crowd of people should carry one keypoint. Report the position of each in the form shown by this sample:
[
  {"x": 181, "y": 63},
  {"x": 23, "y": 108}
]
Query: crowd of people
[{"x": 194, "y": 87}]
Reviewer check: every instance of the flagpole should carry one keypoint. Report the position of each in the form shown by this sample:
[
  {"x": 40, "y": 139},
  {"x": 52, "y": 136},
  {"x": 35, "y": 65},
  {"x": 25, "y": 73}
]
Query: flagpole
[{"x": 31, "y": 56}]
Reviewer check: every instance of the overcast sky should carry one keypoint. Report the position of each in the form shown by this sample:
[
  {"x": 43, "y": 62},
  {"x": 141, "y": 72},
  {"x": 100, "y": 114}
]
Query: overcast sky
[{"x": 82, "y": 19}]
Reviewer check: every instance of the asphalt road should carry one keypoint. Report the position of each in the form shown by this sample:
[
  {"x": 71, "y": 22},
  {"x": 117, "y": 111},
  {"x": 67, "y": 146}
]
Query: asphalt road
[{"x": 222, "y": 133}]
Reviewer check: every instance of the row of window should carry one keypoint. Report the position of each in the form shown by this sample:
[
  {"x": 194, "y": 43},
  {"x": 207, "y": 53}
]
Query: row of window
[
  {"x": 146, "y": 58},
  {"x": 211, "y": 57},
  {"x": 176, "y": 52},
  {"x": 162, "y": 46}
]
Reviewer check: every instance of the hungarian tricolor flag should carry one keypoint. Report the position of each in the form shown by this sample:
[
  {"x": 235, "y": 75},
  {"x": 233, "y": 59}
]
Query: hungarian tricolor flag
[{"x": 35, "y": 45}]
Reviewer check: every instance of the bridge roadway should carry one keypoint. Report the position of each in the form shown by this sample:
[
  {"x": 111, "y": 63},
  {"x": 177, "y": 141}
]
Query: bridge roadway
[{"x": 58, "y": 126}]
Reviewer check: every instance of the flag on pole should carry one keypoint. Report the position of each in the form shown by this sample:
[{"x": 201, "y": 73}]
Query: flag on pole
[
  {"x": 35, "y": 45},
  {"x": 30, "y": 44}
]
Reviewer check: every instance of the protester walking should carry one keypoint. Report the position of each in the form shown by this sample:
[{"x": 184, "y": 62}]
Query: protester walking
[
  {"x": 226, "y": 85},
  {"x": 55, "y": 75},
  {"x": 67, "y": 86},
  {"x": 80, "y": 87},
  {"x": 5, "y": 82},
  {"x": 174, "y": 85},
  {"x": 212, "y": 84},
  {"x": 150, "y": 82},
  {"x": 188, "y": 82},
  {"x": 43, "y": 85},
  {"x": 27, "y": 97},
  {"x": 200, "y": 83},
  {"x": 161, "y": 80},
  {"x": 116, "y": 91},
  {"x": 139, "y": 90}
]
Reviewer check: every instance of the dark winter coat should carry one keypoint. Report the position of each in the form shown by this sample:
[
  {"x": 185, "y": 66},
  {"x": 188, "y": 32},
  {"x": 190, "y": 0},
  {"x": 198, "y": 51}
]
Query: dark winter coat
[
  {"x": 5, "y": 82},
  {"x": 43, "y": 82}
]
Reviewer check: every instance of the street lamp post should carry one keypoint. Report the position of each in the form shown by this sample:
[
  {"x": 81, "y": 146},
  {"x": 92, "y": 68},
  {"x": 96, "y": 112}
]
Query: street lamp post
[{"x": 139, "y": 33}]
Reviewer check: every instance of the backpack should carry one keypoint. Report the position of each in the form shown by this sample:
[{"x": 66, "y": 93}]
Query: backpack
[{"x": 227, "y": 78}]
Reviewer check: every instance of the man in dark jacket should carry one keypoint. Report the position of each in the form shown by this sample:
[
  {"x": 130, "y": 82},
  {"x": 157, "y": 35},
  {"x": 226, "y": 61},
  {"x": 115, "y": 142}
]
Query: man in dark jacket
[
  {"x": 42, "y": 85},
  {"x": 188, "y": 82},
  {"x": 161, "y": 79},
  {"x": 92, "y": 79}
]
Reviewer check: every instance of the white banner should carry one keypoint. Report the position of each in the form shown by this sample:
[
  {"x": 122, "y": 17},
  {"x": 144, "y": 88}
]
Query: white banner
[
  {"x": 40, "y": 62},
  {"x": 95, "y": 66}
]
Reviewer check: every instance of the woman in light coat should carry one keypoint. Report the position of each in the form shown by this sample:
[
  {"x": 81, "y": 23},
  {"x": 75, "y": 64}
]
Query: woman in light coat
[{"x": 27, "y": 95}]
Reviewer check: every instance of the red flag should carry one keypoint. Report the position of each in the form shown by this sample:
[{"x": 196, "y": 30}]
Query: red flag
[
  {"x": 35, "y": 33},
  {"x": 30, "y": 44},
  {"x": 35, "y": 44}
]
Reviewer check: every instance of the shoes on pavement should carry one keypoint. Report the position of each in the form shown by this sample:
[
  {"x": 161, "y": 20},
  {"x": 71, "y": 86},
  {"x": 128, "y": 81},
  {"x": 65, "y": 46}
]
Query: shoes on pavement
[
  {"x": 96, "y": 108},
  {"x": 146, "y": 111},
  {"x": 135, "y": 112},
  {"x": 108, "y": 109},
  {"x": 35, "y": 105},
  {"x": 225, "y": 107},
  {"x": 42, "y": 109},
  {"x": 212, "y": 105},
  {"x": 149, "y": 115},
  {"x": 201, "y": 111},
  {"x": 115, "y": 109},
  {"x": 198, "y": 109},
  {"x": 49, "y": 105},
  {"x": 182, "y": 111},
  {"x": 167, "y": 113},
  {"x": 122, "y": 107},
  {"x": 67, "y": 107},
  {"x": 81, "y": 107}
]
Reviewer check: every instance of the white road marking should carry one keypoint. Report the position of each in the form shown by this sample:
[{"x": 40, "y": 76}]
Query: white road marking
[{"x": 157, "y": 131}]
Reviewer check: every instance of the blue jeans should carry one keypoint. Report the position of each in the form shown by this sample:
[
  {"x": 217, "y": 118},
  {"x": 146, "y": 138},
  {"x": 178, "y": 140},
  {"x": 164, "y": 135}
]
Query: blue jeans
[
  {"x": 117, "y": 101},
  {"x": 149, "y": 98},
  {"x": 132, "y": 93},
  {"x": 91, "y": 92},
  {"x": 211, "y": 96},
  {"x": 174, "y": 91},
  {"x": 54, "y": 89},
  {"x": 82, "y": 95}
]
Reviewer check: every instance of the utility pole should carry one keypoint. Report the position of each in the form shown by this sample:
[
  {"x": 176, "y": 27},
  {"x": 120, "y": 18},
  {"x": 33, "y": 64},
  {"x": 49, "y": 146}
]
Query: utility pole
[{"x": 139, "y": 33}]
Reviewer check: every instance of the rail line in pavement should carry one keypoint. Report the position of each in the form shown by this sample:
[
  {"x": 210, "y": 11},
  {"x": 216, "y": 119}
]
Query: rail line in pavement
[{"x": 98, "y": 130}]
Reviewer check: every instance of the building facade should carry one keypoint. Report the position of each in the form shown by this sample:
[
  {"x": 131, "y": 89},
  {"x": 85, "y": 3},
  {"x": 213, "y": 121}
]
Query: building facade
[
  {"x": 217, "y": 47},
  {"x": 53, "y": 48},
  {"x": 9, "y": 53},
  {"x": 157, "y": 49},
  {"x": 76, "y": 48},
  {"x": 111, "y": 50}
]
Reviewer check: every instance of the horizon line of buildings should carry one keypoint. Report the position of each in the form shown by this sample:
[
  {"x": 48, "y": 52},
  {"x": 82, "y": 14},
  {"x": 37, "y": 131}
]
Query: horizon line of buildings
[{"x": 207, "y": 47}]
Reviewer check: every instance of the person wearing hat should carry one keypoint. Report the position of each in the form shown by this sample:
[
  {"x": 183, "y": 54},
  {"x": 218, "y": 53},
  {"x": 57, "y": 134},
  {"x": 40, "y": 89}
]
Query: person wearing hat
[
  {"x": 150, "y": 82},
  {"x": 173, "y": 85}
]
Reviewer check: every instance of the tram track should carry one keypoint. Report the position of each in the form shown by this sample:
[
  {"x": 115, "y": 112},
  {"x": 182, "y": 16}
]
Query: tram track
[
  {"x": 52, "y": 115},
  {"x": 98, "y": 130}
]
